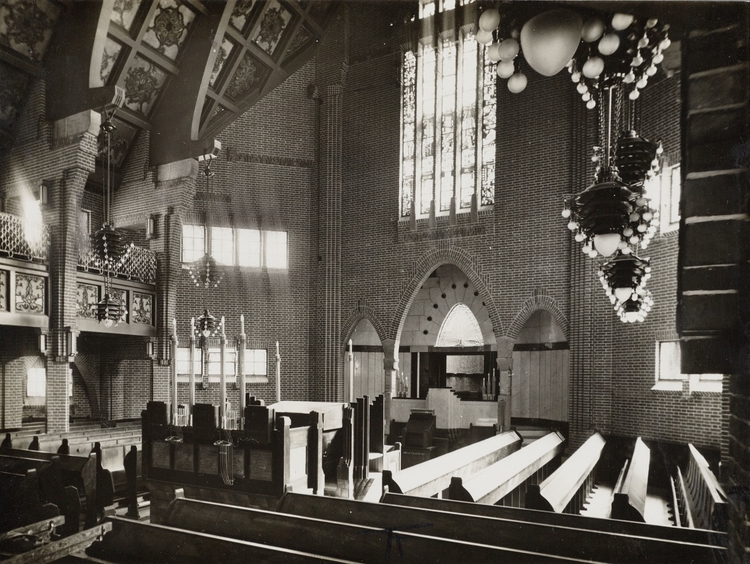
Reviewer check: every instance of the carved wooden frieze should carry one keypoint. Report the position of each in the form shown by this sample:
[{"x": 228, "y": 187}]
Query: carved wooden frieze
[
  {"x": 87, "y": 297},
  {"x": 4, "y": 290},
  {"x": 143, "y": 309},
  {"x": 30, "y": 293}
]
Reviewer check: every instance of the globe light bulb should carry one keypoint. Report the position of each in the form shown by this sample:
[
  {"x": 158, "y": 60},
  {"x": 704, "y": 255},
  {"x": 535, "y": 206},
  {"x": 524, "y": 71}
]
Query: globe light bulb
[
  {"x": 575, "y": 76},
  {"x": 483, "y": 37},
  {"x": 591, "y": 104},
  {"x": 629, "y": 78},
  {"x": 505, "y": 69},
  {"x": 658, "y": 58},
  {"x": 508, "y": 49},
  {"x": 593, "y": 67},
  {"x": 489, "y": 20},
  {"x": 493, "y": 52},
  {"x": 621, "y": 21},
  {"x": 517, "y": 83},
  {"x": 566, "y": 213},
  {"x": 609, "y": 44},
  {"x": 623, "y": 294},
  {"x": 607, "y": 243}
]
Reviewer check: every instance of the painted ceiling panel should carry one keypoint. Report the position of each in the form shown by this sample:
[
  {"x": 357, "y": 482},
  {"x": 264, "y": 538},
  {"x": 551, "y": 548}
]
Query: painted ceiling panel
[
  {"x": 227, "y": 46},
  {"x": 142, "y": 83},
  {"x": 268, "y": 32},
  {"x": 124, "y": 11},
  {"x": 26, "y": 26},
  {"x": 249, "y": 74},
  {"x": 112, "y": 50},
  {"x": 169, "y": 28},
  {"x": 241, "y": 14}
]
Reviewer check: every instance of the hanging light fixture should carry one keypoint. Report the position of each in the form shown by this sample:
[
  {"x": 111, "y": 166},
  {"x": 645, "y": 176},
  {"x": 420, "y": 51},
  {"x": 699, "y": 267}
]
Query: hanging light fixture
[
  {"x": 108, "y": 244},
  {"x": 205, "y": 272},
  {"x": 624, "y": 281}
]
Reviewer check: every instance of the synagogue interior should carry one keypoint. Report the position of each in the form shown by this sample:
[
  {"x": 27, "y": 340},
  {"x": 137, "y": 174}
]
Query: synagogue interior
[{"x": 374, "y": 280}]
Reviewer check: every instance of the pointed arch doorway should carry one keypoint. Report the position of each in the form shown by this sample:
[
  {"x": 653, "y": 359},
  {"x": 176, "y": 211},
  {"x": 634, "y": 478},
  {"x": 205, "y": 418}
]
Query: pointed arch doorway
[{"x": 540, "y": 370}]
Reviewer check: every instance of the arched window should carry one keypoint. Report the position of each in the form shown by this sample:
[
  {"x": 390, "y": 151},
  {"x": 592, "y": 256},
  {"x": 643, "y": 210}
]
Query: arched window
[{"x": 460, "y": 329}]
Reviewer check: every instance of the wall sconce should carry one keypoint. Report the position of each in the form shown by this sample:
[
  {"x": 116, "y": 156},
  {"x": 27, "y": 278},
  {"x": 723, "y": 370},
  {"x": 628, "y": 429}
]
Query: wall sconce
[
  {"x": 43, "y": 343},
  {"x": 150, "y": 349},
  {"x": 151, "y": 227},
  {"x": 70, "y": 343}
]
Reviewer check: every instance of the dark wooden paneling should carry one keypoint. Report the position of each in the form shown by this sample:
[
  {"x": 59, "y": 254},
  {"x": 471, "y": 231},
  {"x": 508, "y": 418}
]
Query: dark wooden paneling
[{"x": 719, "y": 194}]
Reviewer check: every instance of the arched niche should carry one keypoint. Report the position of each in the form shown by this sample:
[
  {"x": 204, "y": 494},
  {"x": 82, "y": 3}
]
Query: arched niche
[
  {"x": 540, "y": 370},
  {"x": 367, "y": 376}
]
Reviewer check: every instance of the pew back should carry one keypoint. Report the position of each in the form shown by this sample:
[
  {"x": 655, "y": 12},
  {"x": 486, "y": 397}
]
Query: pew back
[
  {"x": 501, "y": 478},
  {"x": 433, "y": 476},
  {"x": 629, "y": 500},
  {"x": 706, "y": 498},
  {"x": 333, "y": 537},
  {"x": 568, "y": 486},
  {"x": 559, "y": 541}
]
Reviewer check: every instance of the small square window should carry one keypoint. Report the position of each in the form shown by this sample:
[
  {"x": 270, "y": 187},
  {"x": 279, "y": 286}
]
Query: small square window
[
  {"x": 248, "y": 247},
  {"x": 193, "y": 242},
  {"x": 182, "y": 363},
  {"x": 276, "y": 249},
  {"x": 256, "y": 362},
  {"x": 214, "y": 364},
  {"x": 36, "y": 382}
]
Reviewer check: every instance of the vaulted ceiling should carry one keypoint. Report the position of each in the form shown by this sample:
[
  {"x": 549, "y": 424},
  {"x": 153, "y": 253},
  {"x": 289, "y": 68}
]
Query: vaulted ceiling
[{"x": 185, "y": 68}]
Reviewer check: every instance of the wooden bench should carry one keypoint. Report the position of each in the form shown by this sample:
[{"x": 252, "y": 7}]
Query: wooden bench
[
  {"x": 561, "y": 542},
  {"x": 629, "y": 499},
  {"x": 67, "y": 481},
  {"x": 21, "y": 500},
  {"x": 567, "y": 488},
  {"x": 54, "y": 550},
  {"x": 510, "y": 473},
  {"x": 700, "y": 499},
  {"x": 135, "y": 541},
  {"x": 631, "y": 528},
  {"x": 336, "y": 537},
  {"x": 433, "y": 476}
]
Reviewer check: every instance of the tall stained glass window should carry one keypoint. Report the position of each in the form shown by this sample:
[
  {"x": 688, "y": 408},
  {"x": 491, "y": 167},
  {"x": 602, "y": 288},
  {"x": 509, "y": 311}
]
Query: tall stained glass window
[{"x": 448, "y": 123}]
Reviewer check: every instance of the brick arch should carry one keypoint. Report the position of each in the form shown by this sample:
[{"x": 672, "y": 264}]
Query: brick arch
[
  {"x": 425, "y": 265},
  {"x": 539, "y": 300},
  {"x": 359, "y": 312}
]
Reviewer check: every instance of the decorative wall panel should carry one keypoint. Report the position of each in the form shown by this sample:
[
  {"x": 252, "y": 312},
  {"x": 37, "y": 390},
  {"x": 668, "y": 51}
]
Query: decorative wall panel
[
  {"x": 122, "y": 295},
  {"x": 87, "y": 296},
  {"x": 4, "y": 274},
  {"x": 143, "y": 307},
  {"x": 30, "y": 293}
]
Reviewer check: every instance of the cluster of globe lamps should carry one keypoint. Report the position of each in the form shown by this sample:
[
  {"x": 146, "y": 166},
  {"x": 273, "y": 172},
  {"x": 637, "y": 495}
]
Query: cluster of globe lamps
[{"x": 559, "y": 38}]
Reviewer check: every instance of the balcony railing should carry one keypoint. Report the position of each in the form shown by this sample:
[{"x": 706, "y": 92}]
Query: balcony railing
[
  {"x": 140, "y": 265},
  {"x": 14, "y": 242}
]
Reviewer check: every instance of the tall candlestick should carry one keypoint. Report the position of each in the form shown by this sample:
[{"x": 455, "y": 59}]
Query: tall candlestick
[{"x": 278, "y": 373}]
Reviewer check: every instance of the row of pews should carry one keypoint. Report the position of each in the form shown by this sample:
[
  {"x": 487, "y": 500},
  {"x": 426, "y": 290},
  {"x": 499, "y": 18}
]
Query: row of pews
[{"x": 449, "y": 511}]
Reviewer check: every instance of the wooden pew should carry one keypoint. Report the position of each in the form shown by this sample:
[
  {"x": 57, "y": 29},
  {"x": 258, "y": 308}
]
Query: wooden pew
[
  {"x": 134, "y": 541},
  {"x": 433, "y": 476},
  {"x": 559, "y": 541},
  {"x": 21, "y": 501},
  {"x": 57, "y": 474},
  {"x": 61, "y": 481},
  {"x": 334, "y": 538},
  {"x": 56, "y": 549},
  {"x": 506, "y": 475},
  {"x": 630, "y": 528},
  {"x": 629, "y": 500},
  {"x": 701, "y": 499},
  {"x": 567, "y": 488}
]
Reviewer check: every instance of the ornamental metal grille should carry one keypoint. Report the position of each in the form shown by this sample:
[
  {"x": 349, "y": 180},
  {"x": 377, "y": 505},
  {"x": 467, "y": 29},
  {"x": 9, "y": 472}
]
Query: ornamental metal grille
[
  {"x": 15, "y": 242},
  {"x": 140, "y": 265}
]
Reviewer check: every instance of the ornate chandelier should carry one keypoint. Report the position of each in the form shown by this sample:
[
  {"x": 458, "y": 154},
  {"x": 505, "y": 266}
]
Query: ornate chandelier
[
  {"x": 205, "y": 272},
  {"x": 108, "y": 244},
  {"x": 624, "y": 279}
]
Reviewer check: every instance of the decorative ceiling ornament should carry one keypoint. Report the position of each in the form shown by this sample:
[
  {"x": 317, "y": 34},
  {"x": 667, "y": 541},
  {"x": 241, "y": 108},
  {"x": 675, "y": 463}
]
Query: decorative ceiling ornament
[{"x": 108, "y": 244}]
